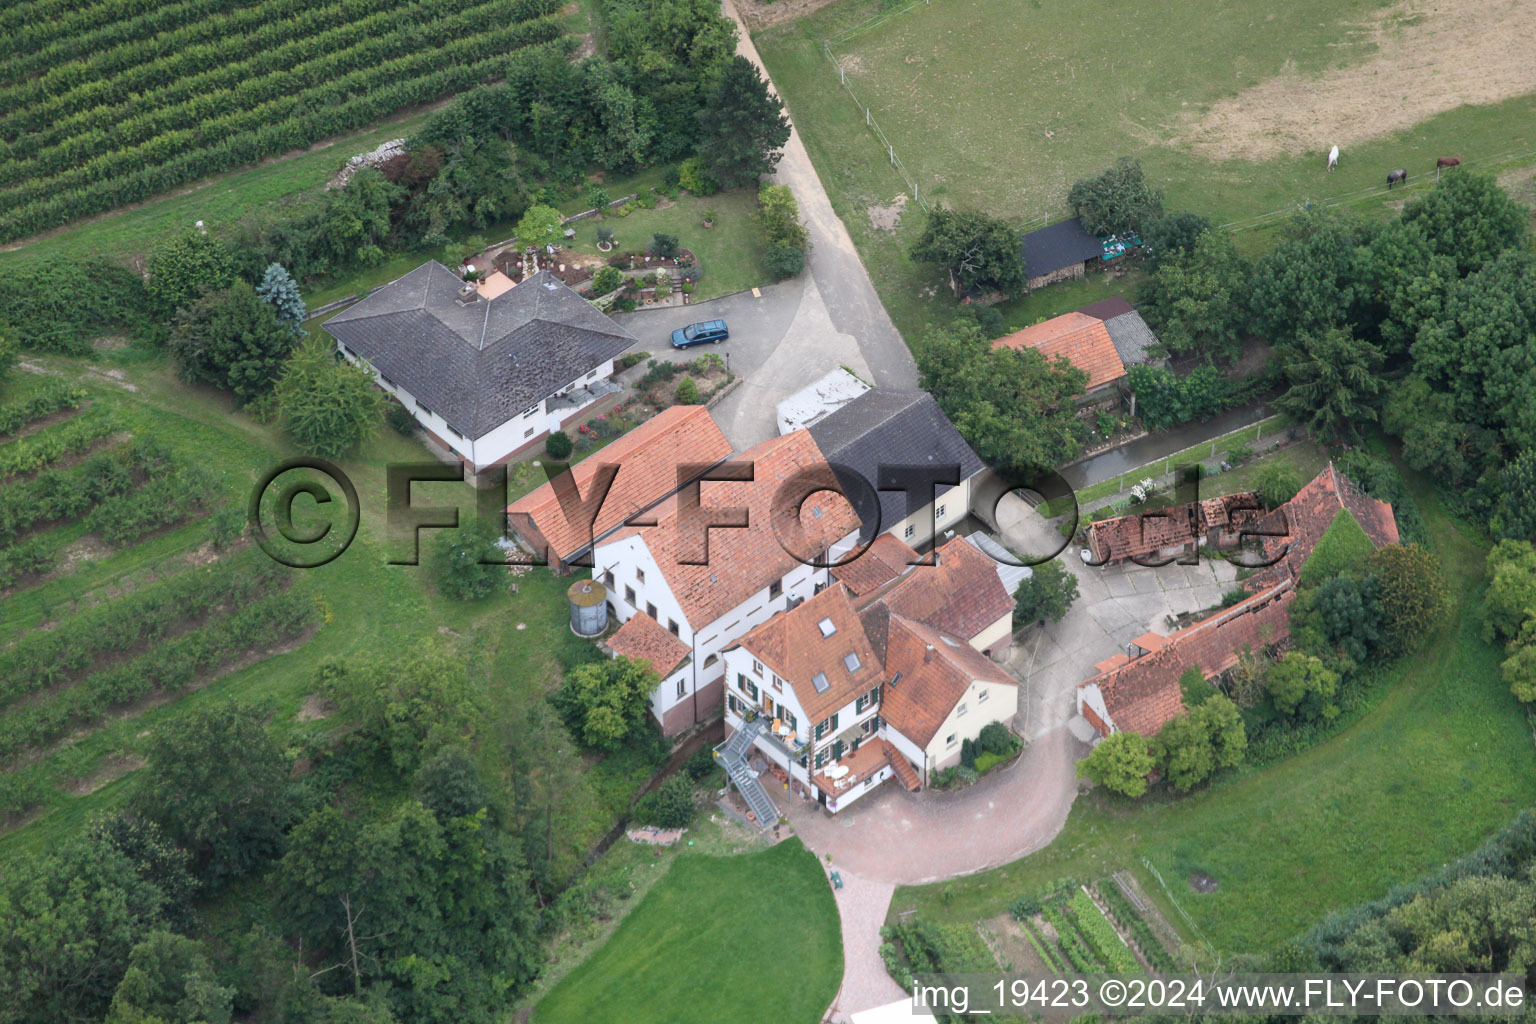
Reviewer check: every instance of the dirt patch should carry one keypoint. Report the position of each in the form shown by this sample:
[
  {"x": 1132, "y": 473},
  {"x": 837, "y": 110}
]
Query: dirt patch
[
  {"x": 1202, "y": 882},
  {"x": 1429, "y": 57},
  {"x": 886, "y": 217},
  {"x": 89, "y": 548},
  {"x": 110, "y": 342},
  {"x": 1520, "y": 184},
  {"x": 314, "y": 709},
  {"x": 586, "y": 48},
  {"x": 765, "y": 13},
  {"x": 1012, "y": 947},
  {"x": 115, "y": 768}
]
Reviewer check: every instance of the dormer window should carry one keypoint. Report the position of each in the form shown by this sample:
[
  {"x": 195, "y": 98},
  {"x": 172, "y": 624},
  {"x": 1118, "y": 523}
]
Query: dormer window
[
  {"x": 827, "y": 627},
  {"x": 851, "y": 662}
]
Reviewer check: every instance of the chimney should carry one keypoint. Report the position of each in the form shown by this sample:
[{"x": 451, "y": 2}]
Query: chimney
[
  {"x": 468, "y": 294},
  {"x": 927, "y": 653}
]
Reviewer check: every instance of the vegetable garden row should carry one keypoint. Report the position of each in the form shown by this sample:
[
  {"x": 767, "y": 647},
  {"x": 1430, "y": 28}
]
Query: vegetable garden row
[
  {"x": 80, "y": 139},
  {"x": 1070, "y": 932}
]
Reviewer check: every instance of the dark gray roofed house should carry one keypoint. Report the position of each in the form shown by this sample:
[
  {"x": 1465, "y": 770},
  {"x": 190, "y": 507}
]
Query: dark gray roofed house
[
  {"x": 1129, "y": 332},
  {"x": 1059, "y": 252},
  {"x": 485, "y": 377},
  {"x": 894, "y": 426}
]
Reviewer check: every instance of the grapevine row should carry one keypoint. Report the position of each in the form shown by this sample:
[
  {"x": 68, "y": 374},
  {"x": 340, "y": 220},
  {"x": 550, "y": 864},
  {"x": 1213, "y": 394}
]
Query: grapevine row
[
  {"x": 56, "y": 396},
  {"x": 336, "y": 114},
  {"x": 30, "y": 454},
  {"x": 39, "y": 659},
  {"x": 53, "y": 98},
  {"x": 29, "y": 558},
  {"x": 166, "y": 669},
  {"x": 55, "y": 495},
  {"x": 203, "y": 98}
]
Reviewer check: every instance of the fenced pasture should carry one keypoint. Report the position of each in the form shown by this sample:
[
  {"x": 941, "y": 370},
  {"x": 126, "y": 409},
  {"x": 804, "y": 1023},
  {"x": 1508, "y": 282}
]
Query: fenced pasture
[
  {"x": 113, "y": 103},
  {"x": 1000, "y": 105}
]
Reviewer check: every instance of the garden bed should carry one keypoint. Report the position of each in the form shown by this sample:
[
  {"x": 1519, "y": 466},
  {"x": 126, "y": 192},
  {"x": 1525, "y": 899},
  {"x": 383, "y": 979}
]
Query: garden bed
[{"x": 661, "y": 383}]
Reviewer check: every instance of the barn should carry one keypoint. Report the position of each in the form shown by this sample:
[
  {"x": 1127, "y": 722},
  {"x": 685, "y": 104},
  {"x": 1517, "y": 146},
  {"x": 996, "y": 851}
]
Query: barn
[{"x": 1060, "y": 252}]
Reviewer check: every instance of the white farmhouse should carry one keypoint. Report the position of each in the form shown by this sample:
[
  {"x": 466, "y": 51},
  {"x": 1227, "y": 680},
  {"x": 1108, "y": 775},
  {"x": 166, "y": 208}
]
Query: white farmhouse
[{"x": 486, "y": 372}]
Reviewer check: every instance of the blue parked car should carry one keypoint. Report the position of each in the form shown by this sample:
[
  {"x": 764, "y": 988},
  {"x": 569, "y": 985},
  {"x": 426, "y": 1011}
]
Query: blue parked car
[{"x": 710, "y": 332}]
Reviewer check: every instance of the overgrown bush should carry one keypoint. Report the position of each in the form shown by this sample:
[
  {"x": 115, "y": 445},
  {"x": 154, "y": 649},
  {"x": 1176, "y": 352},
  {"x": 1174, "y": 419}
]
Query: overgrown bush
[
  {"x": 670, "y": 805},
  {"x": 558, "y": 445},
  {"x": 469, "y": 563}
]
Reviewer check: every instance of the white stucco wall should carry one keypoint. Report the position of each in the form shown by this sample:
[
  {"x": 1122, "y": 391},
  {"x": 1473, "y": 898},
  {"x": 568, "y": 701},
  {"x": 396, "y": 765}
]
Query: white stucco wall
[{"x": 1000, "y": 705}]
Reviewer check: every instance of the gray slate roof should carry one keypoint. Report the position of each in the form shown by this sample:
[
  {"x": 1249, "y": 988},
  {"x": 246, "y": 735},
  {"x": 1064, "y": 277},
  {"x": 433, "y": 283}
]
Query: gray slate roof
[
  {"x": 478, "y": 364},
  {"x": 1057, "y": 246},
  {"x": 891, "y": 426},
  {"x": 1129, "y": 332}
]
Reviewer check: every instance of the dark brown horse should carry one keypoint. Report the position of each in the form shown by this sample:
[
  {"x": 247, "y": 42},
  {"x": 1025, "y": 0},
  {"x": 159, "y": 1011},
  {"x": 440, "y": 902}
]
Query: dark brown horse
[
  {"x": 1444, "y": 162},
  {"x": 1397, "y": 177}
]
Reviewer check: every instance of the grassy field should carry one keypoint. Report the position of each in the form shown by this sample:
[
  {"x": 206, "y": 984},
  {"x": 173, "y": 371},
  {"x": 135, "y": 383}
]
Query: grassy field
[
  {"x": 999, "y": 105},
  {"x": 1443, "y": 760},
  {"x": 746, "y": 939},
  {"x": 369, "y": 605}
]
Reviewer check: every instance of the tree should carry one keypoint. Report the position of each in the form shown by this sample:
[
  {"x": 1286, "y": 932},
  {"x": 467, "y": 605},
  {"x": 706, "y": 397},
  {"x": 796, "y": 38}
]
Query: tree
[
  {"x": 558, "y": 445},
  {"x": 1191, "y": 747},
  {"x": 406, "y": 704},
  {"x": 154, "y": 858},
  {"x": 1511, "y": 598},
  {"x": 470, "y": 565},
  {"x": 1413, "y": 594},
  {"x": 1468, "y": 218},
  {"x": 1300, "y": 685},
  {"x": 68, "y": 922},
  {"x": 1515, "y": 517},
  {"x": 1047, "y": 593},
  {"x": 450, "y": 786},
  {"x": 1166, "y": 399},
  {"x": 169, "y": 980},
  {"x": 981, "y": 252},
  {"x": 1333, "y": 383},
  {"x": 1116, "y": 200},
  {"x": 281, "y": 291},
  {"x": 1223, "y": 723},
  {"x": 742, "y": 127},
  {"x": 435, "y": 913},
  {"x": 1012, "y": 406},
  {"x": 329, "y": 407},
  {"x": 1309, "y": 282},
  {"x": 605, "y": 703},
  {"x": 1519, "y": 669},
  {"x": 217, "y": 785},
  {"x": 1120, "y": 763},
  {"x": 1171, "y": 233},
  {"x": 1344, "y": 616},
  {"x": 687, "y": 391},
  {"x": 1276, "y": 483},
  {"x": 184, "y": 265},
  {"x": 539, "y": 226},
  {"x": 232, "y": 340},
  {"x": 1194, "y": 301},
  {"x": 778, "y": 214}
]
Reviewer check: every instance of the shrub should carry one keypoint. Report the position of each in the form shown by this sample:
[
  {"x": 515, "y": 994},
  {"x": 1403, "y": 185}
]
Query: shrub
[
  {"x": 687, "y": 392},
  {"x": 1276, "y": 483},
  {"x": 665, "y": 245},
  {"x": 400, "y": 419},
  {"x": 700, "y": 765},
  {"x": 692, "y": 176},
  {"x": 558, "y": 445},
  {"x": 968, "y": 754},
  {"x": 469, "y": 562},
  {"x": 995, "y": 738},
  {"x": 597, "y": 196},
  {"x": 605, "y": 235},
  {"x": 783, "y": 260},
  {"x": 606, "y": 279},
  {"x": 670, "y": 805},
  {"x": 1120, "y": 763}
]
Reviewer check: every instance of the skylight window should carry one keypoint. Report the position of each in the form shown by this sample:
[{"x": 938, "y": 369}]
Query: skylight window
[
  {"x": 851, "y": 660},
  {"x": 826, "y": 626},
  {"x": 819, "y": 680}
]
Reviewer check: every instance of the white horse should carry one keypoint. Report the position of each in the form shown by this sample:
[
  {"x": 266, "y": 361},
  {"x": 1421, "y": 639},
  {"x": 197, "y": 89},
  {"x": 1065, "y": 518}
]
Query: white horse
[{"x": 1333, "y": 158}]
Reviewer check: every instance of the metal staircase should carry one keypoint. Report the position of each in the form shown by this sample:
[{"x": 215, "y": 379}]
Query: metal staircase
[{"x": 733, "y": 756}]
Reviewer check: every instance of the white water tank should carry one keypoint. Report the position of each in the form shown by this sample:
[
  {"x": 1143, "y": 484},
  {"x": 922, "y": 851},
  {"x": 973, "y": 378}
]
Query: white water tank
[{"x": 589, "y": 607}]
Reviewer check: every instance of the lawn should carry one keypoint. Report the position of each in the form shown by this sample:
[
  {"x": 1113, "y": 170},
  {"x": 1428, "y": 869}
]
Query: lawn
[
  {"x": 729, "y": 252},
  {"x": 746, "y": 939},
  {"x": 1000, "y": 105},
  {"x": 369, "y": 605},
  {"x": 1437, "y": 763}
]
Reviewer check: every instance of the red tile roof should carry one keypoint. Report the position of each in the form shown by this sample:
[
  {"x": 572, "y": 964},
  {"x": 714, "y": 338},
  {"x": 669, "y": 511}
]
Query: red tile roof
[
  {"x": 1301, "y": 522},
  {"x": 886, "y": 558},
  {"x": 1145, "y": 533},
  {"x": 961, "y": 595},
  {"x": 1142, "y": 694},
  {"x": 935, "y": 671},
  {"x": 645, "y": 639},
  {"x": 647, "y": 456},
  {"x": 1082, "y": 339},
  {"x": 741, "y": 562},
  {"x": 793, "y": 644}
]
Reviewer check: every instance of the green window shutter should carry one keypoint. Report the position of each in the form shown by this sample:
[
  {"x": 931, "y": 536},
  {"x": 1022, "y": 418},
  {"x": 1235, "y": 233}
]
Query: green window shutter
[
  {"x": 834, "y": 721},
  {"x": 754, "y": 690}
]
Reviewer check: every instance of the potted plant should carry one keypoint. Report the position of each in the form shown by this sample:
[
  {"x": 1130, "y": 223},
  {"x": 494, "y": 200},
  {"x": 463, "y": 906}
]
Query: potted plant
[{"x": 709, "y": 218}]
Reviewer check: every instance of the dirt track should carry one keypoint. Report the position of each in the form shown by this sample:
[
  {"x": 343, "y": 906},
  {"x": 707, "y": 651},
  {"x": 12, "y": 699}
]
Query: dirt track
[{"x": 1431, "y": 56}]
